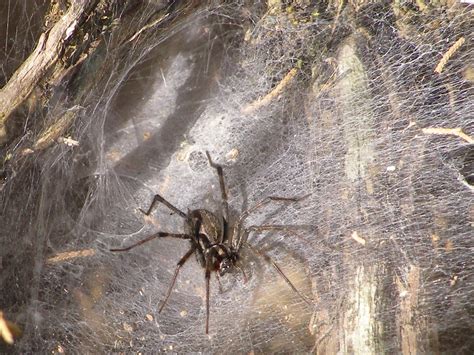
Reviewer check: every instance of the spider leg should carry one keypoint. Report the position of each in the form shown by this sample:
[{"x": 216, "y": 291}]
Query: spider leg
[
  {"x": 158, "y": 198},
  {"x": 275, "y": 265},
  {"x": 219, "y": 282},
  {"x": 225, "y": 203},
  {"x": 181, "y": 262},
  {"x": 281, "y": 227},
  {"x": 151, "y": 237},
  {"x": 259, "y": 205},
  {"x": 274, "y": 227},
  {"x": 266, "y": 201},
  {"x": 243, "y": 273},
  {"x": 208, "y": 279}
]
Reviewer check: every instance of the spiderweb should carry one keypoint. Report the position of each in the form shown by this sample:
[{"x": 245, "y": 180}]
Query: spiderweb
[{"x": 366, "y": 106}]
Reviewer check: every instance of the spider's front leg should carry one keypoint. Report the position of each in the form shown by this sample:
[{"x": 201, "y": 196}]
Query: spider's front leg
[
  {"x": 266, "y": 201},
  {"x": 238, "y": 233},
  {"x": 277, "y": 268},
  {"x": 158, "y": 198},
  {"x": 274, "y": 227},
  {"x": 225, "y": 203}
]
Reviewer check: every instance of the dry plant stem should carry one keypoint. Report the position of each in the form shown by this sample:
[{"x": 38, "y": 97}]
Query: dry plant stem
[
  {"x": 357, "y": 238},
  {"x": 70, "y": 255},
  {"x": 56, "y": 130},
  {"x": 338, "y": 14},
  {"x": 43, "y": 58},
  {"x": 64, "y": 48},
  {"x": 272, "y": 95},
  {"x": 147, "y": 27},
  {"x": 8, "y": 330},
  {"x": 5, "y": 332},
  {"x": 450, "y": 132},
  {"x": 453, "y": 49}
]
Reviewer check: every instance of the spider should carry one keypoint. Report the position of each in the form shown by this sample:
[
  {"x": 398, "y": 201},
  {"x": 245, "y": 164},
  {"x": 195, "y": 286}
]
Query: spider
[{"x": 216, "y": 243}]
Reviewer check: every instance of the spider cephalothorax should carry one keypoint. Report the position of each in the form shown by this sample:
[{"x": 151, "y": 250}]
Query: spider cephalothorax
[{"x": 216, "y": 243}]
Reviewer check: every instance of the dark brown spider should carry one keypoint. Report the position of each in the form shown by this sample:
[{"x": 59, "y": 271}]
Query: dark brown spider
[{"x": 216, "y": 243}]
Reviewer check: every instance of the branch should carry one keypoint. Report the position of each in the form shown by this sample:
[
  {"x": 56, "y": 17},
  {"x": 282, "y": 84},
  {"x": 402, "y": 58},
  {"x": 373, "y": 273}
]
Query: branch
[{"x": 44, "y": 57}]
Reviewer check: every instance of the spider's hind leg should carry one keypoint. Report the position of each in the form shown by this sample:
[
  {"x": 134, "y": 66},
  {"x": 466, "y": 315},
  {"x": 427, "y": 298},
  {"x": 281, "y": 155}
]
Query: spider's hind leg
[{"x": 181, "y": 262}]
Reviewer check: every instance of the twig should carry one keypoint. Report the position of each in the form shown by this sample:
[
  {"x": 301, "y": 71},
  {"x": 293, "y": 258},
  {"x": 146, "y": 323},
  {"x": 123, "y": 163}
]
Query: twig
[
  {"x": 449, "y": 131},
  {"x": 453, "y": 49},
  {"x": 341, "y": 4},
  {"x": 70, "y": 255},
  {"x": 358, "y": 239},
  {"x": 254, "y": 106},
  {"x": 8, "y": 330},
  {"x": 147, "y": 26},
  {"x": 56, "y": 130},
  {"x": 43, "y": 58}
]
